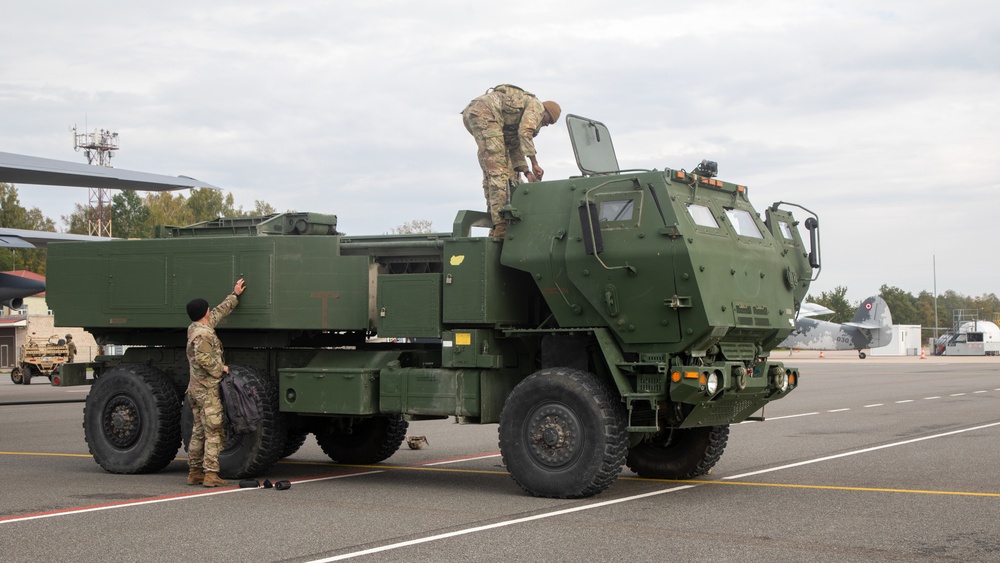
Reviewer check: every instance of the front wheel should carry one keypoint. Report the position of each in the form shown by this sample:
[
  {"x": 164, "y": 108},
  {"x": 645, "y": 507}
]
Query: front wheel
[
  {"x": 27, "y": 374},
  {"x": 251, "y": 454},
  {"x": 131, "y": 420},
  {"x": 16, "y": 375},
  {"x": 563, "y": 434},
  {"x": 679, "y": 454}
]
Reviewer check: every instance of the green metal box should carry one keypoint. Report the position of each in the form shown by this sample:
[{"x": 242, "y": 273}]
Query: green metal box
[
  {"x": 292, "y": 282},
  {"x": 475, "y": 348},
  {"x": 477, "y": 289},
  {"x": 334, "y": 383},
  {"x": 409, "y": 306},
  {"x": 429, "y": 391}
]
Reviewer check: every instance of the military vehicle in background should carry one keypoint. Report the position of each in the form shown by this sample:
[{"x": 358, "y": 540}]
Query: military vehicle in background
[
  {"x": 626, "y": 318},
  {"x": 39, "y": 356}
]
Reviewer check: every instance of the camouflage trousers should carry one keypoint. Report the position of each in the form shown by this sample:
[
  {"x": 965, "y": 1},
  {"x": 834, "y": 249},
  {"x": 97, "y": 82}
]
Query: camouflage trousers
[
  {"x": 208, "y": 436},
  {"x": 483, "y": 120}
]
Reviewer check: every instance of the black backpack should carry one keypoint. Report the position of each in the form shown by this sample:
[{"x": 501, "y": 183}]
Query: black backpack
[{"x": 239, "y": 403}]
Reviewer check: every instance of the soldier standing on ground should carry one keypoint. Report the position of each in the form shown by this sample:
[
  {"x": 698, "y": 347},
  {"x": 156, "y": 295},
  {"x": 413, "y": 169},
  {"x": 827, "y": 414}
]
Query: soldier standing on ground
[
  {"x": 504, "y": 121},
  {"x": 205, "y": 356},
  {"x": 71, "y": 347}
]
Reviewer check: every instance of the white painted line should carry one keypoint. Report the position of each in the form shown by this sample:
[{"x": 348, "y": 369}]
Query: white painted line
[
  {"x": 503, "y": 524},
  {"x": 956, "y": 394},
  {"x": 875, "y": 405},
  {"x": 929, "y": 398},
  {"x": 839, "y": 410},
  {"x": 554, "y": 513},
  {"x": 791, "y": 416},
  {"x": 181, "y": 496},
  {"x": 78, "y": 390},
  {"x": 459, "y": 460},
  {"x": 861, "y": 451},
  {"x": 974, "y": 392},
  {"x": 906, "y": 401},
  {"x": 119, "y": 505}
]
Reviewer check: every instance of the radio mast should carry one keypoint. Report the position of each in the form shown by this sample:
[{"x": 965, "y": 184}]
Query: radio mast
[{"x": 98, "y": 147}]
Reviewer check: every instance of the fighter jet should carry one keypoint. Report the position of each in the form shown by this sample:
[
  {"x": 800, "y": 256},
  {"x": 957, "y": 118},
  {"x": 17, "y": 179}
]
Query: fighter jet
[
  {"x": 871, "y": 327},
  {"x": 22, "y": 169}
]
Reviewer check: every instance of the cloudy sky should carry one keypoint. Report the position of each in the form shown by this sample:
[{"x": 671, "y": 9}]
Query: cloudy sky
[{"x": 882, "y": 117}]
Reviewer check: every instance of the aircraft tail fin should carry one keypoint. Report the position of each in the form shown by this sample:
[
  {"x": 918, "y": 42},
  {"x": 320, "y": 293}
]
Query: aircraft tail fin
[{"x": 874, "y": 315}]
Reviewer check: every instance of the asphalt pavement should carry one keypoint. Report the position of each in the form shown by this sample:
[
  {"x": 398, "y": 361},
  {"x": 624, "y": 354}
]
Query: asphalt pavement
[{"x": 883, "y": 459}]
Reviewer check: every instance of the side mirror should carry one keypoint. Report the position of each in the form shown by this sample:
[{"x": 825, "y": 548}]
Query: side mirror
[{"x": 812, "y": 225}]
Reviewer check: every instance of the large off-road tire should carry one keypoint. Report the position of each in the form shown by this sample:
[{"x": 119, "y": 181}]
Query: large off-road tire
[
  {"x": 28, "y": 372},
  {"x": 563, "y": 434},
  {"x": 16, "y": 375},
  {"x": 362, "y": 440},
  {"x": 293, "y": 441},
  {"x": 131, "y": 420},
  {"x": 687, "y": 454},
  {"x": 248, "y": 455}
]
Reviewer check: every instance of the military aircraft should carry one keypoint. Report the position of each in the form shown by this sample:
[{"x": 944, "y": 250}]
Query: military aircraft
[
  {"x": 22, "y": 169},
  {"x": 871, "y": 327}
]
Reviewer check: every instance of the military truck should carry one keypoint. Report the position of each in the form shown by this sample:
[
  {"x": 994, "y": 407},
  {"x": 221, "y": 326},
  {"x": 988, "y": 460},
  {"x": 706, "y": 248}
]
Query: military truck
[
  {"x": 626, "y": 318},
  {"x": 39, "y": 356}
]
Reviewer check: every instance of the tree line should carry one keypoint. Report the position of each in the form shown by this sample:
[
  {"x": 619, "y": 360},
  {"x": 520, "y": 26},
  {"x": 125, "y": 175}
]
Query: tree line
[
  {"x": 132, "y": 216},
  {"x": 909, "y": 309}
]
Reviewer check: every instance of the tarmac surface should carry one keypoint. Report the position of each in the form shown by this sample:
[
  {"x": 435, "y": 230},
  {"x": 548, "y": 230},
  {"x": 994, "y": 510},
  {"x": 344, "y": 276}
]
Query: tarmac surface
[{"x": 882, "y": 459}]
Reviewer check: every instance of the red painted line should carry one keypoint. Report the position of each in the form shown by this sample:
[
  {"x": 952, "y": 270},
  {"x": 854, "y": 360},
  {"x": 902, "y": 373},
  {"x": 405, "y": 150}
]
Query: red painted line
[
  {"x": 216, "y": 491},
  {"x": 155, "y": 500}
]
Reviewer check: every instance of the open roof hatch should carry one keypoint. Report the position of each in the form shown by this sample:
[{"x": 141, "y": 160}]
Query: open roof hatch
[{"x": 592, "y": 146}]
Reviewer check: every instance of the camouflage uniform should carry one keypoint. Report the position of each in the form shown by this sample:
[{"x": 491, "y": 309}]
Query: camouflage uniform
[
  {"x": 72, "y": 350},
  {"x": 504, "y": 121},
  {"x": 205, "y": 356}
]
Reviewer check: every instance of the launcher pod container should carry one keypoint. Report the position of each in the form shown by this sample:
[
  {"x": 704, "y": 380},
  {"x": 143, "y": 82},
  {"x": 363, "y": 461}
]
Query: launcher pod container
[{"x": 626, "y": 318}]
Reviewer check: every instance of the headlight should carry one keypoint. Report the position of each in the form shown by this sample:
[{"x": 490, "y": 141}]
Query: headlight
[{"x": 712, "y": 385}]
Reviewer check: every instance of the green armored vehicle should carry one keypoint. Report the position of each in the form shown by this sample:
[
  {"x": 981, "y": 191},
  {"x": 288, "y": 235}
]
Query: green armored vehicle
[{"x": 626, "y": 318}]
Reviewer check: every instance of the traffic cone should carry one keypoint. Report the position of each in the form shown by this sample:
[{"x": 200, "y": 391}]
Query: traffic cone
[
  {"x": 821, "y": 354},
  {"x": 922, "y": 356}
]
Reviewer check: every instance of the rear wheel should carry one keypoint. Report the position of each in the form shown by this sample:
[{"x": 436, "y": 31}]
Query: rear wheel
[
  {"x": 362, "y": 440},
  {"x": 248, "y": 455},
  {"x": 293, "y": 441},
  {"x": 16, "y": 375},
  {"x": 563, "y": 434},
  {"x": 131, "y": 420},
  {"x": 681, "y": 454}
]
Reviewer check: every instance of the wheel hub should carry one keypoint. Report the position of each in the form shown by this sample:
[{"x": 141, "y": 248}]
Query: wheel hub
[
  {"x": 122, "y": 424},
  {"x": 553, "y": 435}
]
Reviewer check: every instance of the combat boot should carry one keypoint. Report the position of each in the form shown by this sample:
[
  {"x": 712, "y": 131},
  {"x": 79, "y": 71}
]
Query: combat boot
[
  {"x": 195, "y": 476},
  {"x": 212, "y": 479}
]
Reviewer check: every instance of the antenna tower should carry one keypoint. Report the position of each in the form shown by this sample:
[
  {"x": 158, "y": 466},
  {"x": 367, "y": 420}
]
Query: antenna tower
[{"x": 98, "y": 147}]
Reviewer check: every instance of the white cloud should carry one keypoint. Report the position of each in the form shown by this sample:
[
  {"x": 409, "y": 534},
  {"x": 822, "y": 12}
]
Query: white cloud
[{"x": 879, "y": 117}]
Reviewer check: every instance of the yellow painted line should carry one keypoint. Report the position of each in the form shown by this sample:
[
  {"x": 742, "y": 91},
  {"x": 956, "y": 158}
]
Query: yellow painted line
[{"x": 821, "y": 487}]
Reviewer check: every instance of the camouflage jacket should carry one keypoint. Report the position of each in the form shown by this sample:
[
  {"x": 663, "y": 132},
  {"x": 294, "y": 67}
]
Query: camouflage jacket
[
  {"x": 522, "y": 118},
  {"x": 204, "y": 350}
]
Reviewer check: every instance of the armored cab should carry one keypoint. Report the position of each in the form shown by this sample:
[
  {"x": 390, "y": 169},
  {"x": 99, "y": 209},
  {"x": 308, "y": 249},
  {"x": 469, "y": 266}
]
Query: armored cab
[{"x": 626, "y": 317}]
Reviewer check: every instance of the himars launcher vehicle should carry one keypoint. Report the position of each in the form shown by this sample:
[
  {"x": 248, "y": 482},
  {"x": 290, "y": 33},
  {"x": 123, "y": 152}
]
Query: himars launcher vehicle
[{"x": 626, "y": 318}]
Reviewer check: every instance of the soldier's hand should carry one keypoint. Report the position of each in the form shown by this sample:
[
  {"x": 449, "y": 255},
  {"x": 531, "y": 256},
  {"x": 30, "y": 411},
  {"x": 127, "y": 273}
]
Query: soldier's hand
[
  {"x": 538, "y": 172},
  {"x": 531, "y": 177},
  {"x": 239, "y": 287}
]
